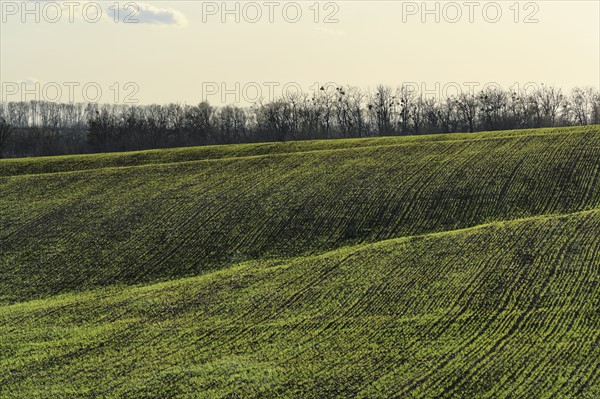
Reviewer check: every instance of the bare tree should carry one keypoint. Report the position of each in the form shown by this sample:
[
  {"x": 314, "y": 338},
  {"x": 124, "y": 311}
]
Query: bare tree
[
  {"x": 582, "y": 100},
  {"x": 422, "y": 114},
  {"x": 333, "y": 111},
  {"x": 231, "y": 122},
  {"x": 467, "y": 106},
  {"x": 325, "y": 110},
  {"x": 101, "y": 127},
  {"x": 355, "y": 101},
  {"x": 275, "y": 118},
  {"x": 381, "y": 106},
  {"x": 550, "y": 101},
  {"x": 493, "y": 103},
  {"x": 595, "y": 105},
  {"x": 5, "y": 132},
  {"x": 197, "y": 122}
]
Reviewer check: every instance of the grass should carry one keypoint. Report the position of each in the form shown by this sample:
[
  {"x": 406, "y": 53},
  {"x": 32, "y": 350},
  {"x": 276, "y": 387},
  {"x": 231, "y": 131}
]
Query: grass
[
  {"x": 457, "y": 266},
  {"x": 38, "y": 165},
  {"x": 505, "y": 308}
]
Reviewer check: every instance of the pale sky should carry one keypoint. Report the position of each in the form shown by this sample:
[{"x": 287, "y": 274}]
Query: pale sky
[{"x": 182, "y": 51}]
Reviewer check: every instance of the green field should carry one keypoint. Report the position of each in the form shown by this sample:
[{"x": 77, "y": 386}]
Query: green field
[{"x": 454, "y": 266}]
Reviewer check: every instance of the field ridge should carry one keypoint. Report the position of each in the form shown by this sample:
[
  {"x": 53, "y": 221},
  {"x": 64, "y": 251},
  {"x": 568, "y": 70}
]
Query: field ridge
[
  {"x": 19, "y": 166},
  {"x": 396, "y": 267},
  {"x": 448, "y": 308},
  {"x": 76, "y": 230}
]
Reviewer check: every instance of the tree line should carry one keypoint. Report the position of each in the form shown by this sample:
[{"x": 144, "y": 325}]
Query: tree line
[{"x": 37, "y": 128}]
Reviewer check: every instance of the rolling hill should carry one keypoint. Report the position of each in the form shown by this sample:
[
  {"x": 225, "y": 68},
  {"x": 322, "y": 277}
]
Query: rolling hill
[{"x": 432, "y": 266}]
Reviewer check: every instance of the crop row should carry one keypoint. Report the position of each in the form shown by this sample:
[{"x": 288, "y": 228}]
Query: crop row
[
  {"x": 75, "y": 231},
  {"x": 501, "y": 310},
  {"x": 70, "y": 163}
]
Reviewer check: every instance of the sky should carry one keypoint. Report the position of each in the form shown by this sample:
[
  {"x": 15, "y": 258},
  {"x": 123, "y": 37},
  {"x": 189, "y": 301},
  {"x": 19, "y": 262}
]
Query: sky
[{"x": 240, "y": 52}]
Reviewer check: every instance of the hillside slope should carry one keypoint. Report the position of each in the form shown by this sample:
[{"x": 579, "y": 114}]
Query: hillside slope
[
  {"x": 79, "y": 229},
  {"x": 70, "y": 163},
  {"x": 500, "y": 310}
]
